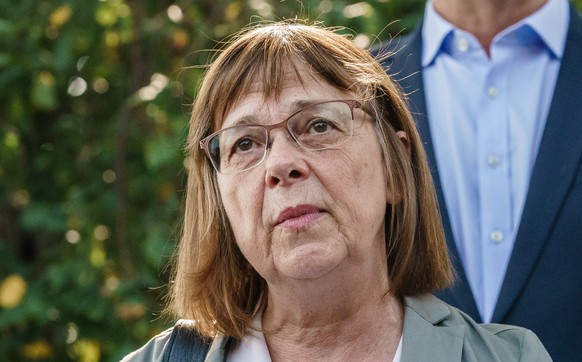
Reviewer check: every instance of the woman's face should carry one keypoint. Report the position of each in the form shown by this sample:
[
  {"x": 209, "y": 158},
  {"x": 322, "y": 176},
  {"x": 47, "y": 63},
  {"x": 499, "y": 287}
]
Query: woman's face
[{"x": 303, "y": 214}]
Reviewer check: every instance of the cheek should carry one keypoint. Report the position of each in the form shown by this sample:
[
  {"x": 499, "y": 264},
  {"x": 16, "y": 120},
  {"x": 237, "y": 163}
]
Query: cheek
[
  {"x": 363, "y": 172},
  {"x": 363, "y": 187},
  {"x": 242, "y": 200}
]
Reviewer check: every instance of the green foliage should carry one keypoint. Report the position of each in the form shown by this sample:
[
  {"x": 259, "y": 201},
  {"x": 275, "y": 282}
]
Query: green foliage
[{"x": 93, "y": 117}]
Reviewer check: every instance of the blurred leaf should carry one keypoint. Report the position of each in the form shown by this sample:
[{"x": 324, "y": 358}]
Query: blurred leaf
[
  {"x": 60, "y": 15},
  {"x": 64, "y": 56},
  {"x": 87, "y": 350},
  {"x": 12, "y": 291},
  {"x": 6, "y": 27},
  {"x": 43, "y": 93},
  {"x": 44, "y": 217},
  {"x": 105, "y": 15},
  {"x": 161, "y": 151},
  {"x": 39, "y": 349}
]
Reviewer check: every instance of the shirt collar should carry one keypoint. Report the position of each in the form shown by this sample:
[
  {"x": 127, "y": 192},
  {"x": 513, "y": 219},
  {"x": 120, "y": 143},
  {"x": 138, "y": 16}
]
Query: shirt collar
[
  {"x": 253, "y": 346},
  {"x": 434, "y": 31},
  {"x": 550, "y": 23}
]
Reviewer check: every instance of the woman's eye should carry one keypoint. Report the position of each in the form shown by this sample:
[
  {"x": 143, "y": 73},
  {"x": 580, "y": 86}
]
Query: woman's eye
[
  {"x": 320, "y": 126},
  {"x": 244, "y": 144}
]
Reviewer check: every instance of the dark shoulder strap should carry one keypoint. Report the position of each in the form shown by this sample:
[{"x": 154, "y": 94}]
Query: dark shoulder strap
[{"x": 185, "y": 344}]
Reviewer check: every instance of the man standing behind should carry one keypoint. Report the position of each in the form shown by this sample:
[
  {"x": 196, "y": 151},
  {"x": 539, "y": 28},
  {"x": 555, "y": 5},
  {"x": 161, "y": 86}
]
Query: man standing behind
[{"x": 496, "y": 87}]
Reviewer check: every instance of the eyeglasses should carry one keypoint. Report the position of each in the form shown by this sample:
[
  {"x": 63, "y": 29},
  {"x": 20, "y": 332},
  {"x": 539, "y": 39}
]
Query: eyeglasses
[{"x": 316, "y": 127}]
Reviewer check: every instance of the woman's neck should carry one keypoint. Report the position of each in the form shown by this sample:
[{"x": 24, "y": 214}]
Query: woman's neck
[
  {"x": 354, "y": 320},
  {"x": 486, "y": 18}
]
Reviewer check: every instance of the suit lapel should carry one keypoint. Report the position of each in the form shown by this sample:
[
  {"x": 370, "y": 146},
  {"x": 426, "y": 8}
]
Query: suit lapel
[
  {"x": 406, "y": 68},
  {"x": 556, "y": 165},
  {"x": 423, "y": 340}
]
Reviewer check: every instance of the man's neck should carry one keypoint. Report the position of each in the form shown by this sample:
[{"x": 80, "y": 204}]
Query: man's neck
[{"x": 486, "y": 18}]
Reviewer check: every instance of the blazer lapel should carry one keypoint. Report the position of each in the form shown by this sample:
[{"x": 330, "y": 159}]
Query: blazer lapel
[
  {"x": 423, "y": 340},
  {"x": 556, "y": 165},
  {"x": 406, "y": 68}
]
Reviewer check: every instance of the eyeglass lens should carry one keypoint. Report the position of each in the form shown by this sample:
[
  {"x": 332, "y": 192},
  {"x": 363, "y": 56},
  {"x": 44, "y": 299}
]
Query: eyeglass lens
[{"x": 315, "y": 127}]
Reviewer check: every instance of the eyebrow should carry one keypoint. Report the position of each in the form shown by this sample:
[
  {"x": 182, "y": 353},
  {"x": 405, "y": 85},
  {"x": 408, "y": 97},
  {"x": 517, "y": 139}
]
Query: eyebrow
[
  {"x": 294, "y": 107},
  {"x": 302, "y": 103},
  {"x": 244, "y": 121}
]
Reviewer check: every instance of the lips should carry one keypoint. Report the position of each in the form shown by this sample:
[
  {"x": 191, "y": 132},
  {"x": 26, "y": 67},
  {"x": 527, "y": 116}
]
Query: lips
[{"x": 299, "y": 215}]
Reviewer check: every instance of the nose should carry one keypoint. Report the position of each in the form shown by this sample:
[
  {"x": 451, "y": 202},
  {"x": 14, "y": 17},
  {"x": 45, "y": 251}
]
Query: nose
[{"x": 285, "y": 162}]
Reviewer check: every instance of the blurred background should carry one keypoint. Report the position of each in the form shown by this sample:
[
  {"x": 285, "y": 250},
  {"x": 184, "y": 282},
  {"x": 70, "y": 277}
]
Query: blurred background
[{"x": 94, "y": 103}]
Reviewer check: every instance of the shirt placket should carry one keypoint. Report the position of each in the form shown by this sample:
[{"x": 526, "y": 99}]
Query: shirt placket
[{"x": 494, "y": 187}]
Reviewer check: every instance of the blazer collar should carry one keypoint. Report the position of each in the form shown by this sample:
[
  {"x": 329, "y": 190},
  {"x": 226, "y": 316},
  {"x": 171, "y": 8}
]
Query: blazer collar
[{"x": 426, "y": 331}]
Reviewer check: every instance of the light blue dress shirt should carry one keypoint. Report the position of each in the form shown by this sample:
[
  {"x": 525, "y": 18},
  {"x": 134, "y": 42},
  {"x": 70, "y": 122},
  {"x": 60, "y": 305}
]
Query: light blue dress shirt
[{"x": 487, "y": 115}]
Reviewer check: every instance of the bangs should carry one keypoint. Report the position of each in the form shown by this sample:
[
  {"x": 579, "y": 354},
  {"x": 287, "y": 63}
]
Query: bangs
[
  {"x": 267, "y": 74},
  {"x": 264, "y": 58}
]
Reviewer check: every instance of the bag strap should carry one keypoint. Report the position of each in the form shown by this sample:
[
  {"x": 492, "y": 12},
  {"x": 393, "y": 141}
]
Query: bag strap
[{"x": 185, "y": 344}]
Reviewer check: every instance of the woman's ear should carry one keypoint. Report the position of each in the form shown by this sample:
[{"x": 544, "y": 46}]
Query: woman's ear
[
  {"x": 403, "y": 137},
  {"x": 394, "y": 197}
]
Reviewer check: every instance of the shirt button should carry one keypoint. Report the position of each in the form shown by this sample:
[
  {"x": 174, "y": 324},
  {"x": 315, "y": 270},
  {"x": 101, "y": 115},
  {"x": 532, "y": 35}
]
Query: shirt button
[
  {"x": 496, "y": 236},
  {"x": 462, "y": 44},
  {"x": 493, "y": 160},
  {"x": 492, "y": 91}
]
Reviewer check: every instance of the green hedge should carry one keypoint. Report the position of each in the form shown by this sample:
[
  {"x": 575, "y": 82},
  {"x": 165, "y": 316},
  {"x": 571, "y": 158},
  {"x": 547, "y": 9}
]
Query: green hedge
[{"x": 93, "y": 113}]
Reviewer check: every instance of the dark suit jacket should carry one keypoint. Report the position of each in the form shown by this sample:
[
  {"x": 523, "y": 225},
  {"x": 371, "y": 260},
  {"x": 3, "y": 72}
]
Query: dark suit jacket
[{"x": 542, "y": 290}]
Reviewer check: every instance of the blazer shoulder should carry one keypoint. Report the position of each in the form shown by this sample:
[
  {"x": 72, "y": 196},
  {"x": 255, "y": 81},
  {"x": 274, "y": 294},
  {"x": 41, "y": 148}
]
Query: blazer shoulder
[
  {"x": 508, "y": 342},
  {"x": 153, "y": 350},
  {"x": 179, "y": 343},
  {"x": 527, "y": 342},
  {"x": 452, "y": 335}
]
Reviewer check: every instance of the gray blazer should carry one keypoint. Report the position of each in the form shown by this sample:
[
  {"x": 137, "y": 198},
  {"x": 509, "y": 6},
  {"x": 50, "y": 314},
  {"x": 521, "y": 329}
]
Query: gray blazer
[{"x": 433, "y": 331}]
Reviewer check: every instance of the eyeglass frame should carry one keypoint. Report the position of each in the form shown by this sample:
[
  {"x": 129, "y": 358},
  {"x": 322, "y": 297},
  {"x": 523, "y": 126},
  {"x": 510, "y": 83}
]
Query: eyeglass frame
[{"x": 351, "y": 103}]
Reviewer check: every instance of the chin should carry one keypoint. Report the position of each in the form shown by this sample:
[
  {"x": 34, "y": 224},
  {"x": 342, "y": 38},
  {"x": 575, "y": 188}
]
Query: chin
[{"x": 311, "y": 261}]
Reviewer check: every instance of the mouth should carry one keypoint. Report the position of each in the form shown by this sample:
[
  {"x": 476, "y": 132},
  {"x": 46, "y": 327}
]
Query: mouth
[{"x": 299, "y": 216}]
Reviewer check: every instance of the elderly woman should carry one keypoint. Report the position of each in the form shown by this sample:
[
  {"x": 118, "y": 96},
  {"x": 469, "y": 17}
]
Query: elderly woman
[{"x": 311, "y": 231}]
